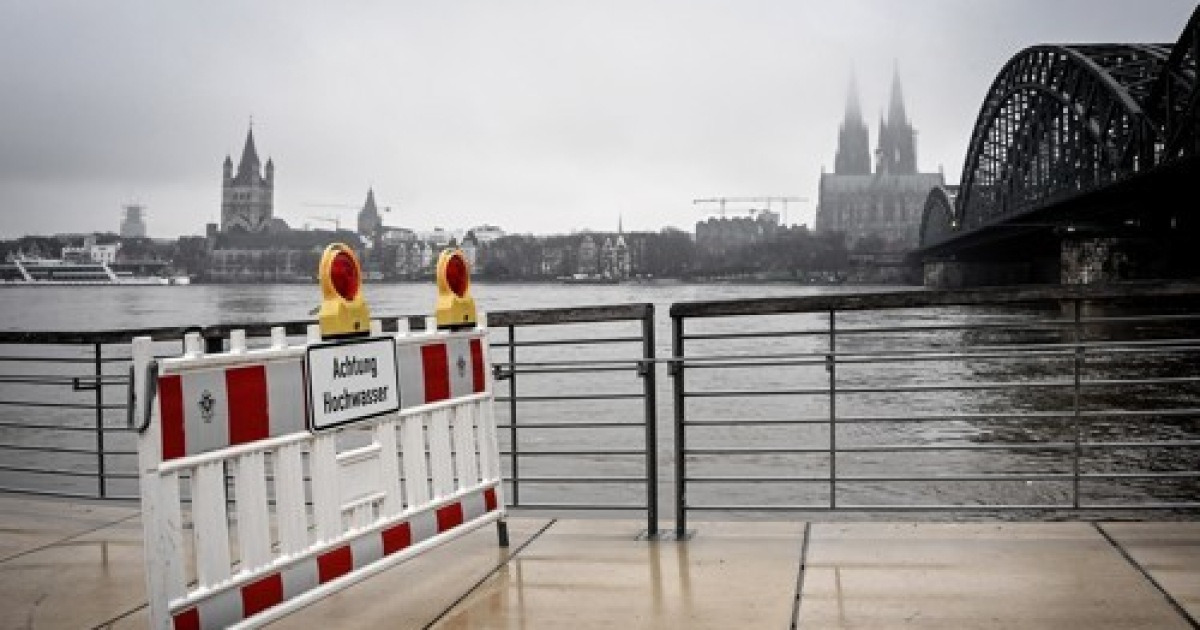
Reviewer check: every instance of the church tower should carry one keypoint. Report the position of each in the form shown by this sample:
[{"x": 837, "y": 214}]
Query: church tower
[
  {"x": 897, "y": 138},
  {"x": 853, "y": 155},
  {"x": 369, "y": 220},
  {"x": 247, "y": 196}
]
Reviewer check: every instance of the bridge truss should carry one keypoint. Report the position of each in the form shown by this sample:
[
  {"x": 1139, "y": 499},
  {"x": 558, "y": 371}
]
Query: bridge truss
[{"x": 1063, "y": 121}]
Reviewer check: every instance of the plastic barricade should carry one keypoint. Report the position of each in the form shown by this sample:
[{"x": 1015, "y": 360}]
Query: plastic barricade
[{"x": 253, "y": 508}]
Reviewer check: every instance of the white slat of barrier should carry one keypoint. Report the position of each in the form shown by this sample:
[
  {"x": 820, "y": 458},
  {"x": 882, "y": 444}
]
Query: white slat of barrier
[
  {"x": 169, "y": 535},
  {"x": 290, "y": 511},
  {"x": 161, "y": 509},
  {"x": 389, "y": 468},
  {"x": 465, "y": 468},
  {"x": 210, "y": 523},
  {"x": 237, "y": 341},
  {"x": 439, "y": 454},
  {"x": 192, "y": 346},
  {"x": 376, "y": 328},
  {"x": 278, "y": 338},
  {"x": 489, "y": 454},
  {"x": 253, "y": 517},
  {"x": 416, "y": 471},
  {"x": 326, "y": 496}
]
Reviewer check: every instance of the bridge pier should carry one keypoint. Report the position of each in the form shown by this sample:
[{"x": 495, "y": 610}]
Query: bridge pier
[
  {"x": 1096, "y": 260},
  {"x": 960, "y": 274}
]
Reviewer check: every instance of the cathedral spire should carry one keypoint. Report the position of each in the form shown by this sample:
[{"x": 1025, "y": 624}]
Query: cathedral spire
[
  {"x": 853, "y": 155},
  {"x": 896, "y": 113}
]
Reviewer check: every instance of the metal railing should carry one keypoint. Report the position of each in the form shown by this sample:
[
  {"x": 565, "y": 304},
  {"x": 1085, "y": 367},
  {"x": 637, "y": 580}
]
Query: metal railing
[
  {"x": 1045, "y": 377},
  {"x": 535, "y": 382},
  {"x": 52, "y": 442}
]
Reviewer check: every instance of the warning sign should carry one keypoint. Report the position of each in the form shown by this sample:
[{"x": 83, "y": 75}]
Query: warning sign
[{"x": 350, "y": 381}]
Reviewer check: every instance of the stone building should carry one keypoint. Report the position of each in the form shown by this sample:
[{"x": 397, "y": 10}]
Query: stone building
[
  {"x": 248, "y": 196},
  {"x": 885, "y": 205},
  {"x": 720, "y": 236}
]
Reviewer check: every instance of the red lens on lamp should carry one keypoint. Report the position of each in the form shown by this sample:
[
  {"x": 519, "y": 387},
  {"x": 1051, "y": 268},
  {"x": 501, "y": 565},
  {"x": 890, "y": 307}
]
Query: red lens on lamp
[
  {"x": 456, "y": 275},
  {"x": 344, "y": 275}
]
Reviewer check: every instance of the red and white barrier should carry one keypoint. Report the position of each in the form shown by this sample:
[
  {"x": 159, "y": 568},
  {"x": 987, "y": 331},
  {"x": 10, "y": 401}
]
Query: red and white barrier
[{"x": 311, "y": 510}]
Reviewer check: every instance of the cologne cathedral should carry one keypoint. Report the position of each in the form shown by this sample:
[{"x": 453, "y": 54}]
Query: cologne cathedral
[{"x": 880, "y": 210}]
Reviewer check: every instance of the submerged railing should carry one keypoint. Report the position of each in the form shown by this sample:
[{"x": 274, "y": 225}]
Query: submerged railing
[{"x": 1037, "y": 399}]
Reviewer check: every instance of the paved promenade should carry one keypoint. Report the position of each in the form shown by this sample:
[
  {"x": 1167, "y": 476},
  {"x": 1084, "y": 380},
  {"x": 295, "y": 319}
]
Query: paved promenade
[{"x": 79, "y": 565}]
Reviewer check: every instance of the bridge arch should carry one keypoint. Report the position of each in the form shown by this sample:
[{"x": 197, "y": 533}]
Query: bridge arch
[
  {"x": 1056, "y": 122},
  {"x": 938, "y": 221}
]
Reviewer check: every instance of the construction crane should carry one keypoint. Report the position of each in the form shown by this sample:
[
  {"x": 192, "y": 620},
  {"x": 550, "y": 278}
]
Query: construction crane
[{"x": 721, "y": 201}]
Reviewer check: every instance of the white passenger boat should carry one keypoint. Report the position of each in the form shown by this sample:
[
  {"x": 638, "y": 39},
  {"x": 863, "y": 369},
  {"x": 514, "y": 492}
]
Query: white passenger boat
[{"x": 22, "y": 270}]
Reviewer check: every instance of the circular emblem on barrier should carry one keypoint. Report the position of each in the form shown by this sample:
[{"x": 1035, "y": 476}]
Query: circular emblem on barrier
[
  {"x": 207, "y": 403},
  {"x": 462, "y": 367}
]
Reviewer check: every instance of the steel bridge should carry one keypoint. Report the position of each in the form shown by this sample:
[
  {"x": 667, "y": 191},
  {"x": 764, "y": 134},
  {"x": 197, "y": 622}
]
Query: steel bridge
[{"x": 1089, "y": 139}]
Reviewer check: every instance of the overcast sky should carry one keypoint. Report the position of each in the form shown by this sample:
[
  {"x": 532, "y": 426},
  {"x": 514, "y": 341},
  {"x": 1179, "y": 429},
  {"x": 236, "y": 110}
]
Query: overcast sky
[{"x": 540, "y": 117}]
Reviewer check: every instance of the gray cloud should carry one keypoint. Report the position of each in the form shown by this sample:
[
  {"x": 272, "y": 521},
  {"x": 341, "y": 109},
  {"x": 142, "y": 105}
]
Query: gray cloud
[{"x": 538, "y": 116}]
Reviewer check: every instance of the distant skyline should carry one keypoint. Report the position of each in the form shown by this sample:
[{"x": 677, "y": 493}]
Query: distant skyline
[{"x": 543, "y": 117}]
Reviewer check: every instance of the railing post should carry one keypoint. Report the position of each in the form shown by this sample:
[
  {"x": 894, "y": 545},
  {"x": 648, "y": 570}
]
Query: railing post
[
  {"x": 101, "y": 472},
  {"x": 1078, "y": 361},
  {"x": 647, "y": 370},
  {"x": 512, "y": 415},
  {"x": 831, "y": 367},
  {"x": 677, "y": 395}
]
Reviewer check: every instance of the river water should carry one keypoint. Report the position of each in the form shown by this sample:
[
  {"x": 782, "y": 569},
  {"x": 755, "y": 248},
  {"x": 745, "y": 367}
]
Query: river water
[{"x": 869, "y": 474}]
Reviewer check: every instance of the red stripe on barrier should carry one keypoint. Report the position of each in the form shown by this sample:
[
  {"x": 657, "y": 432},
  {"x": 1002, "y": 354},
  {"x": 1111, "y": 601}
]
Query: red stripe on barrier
[
  {"x": 170, "y": 411},
  {"x": 478, "y": 380},
  {"x": 489, "y": 499},
  {"x": 437, "y": 372},
  {"x": 187, "y": 620},
  {"x": 249, "y": 419},
  {"x": 449, "y": 517},
  {"x": 333, "y": 564},
  {"x": 261, "y": 595},
  {"x": 396, "y": 538}
]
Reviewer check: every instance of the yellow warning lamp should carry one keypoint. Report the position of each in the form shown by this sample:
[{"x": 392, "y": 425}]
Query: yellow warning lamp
[
  {"x": 455, "y": 306},
  {"x": 343, "y": 311}
]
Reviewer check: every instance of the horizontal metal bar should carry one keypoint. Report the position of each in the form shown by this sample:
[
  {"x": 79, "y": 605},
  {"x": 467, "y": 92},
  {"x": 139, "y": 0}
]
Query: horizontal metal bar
[
  {"x": 1007, "y": 507},
  {"x": 583, "y": 479},
  {"x": 577, "y": 370},
  {"x": 808, "y": 332},
  {"x": 31, "y": 403},
  {"x": 52, "y": 427},
  {"x": 882, "y": 478},
  {"x": 1015, "y": 351},
  {"x": 65, "y": 495},
  {"x": 51, "y": 471},
  {"x": 573, "y": 425},
  {"x": 880, "y": 448},
  {"x": 1162, "y": 474},
  {"x": 71, "y": 360},
  {"x": 50, "y": 449},
  {"x": 576, "y": 506},
  {"x": 842, "y": 507},
  {"x": 580, "y": 341},
  {"x": 917, "y": 299},
  {"x": 570, "y": 315},
  {"x": 570, "y": 397},
  {"x": 575, "y": 453},
  {"x": 912, "y": 389},
  {"x": 1143, "y": 444},
  {"x": 1064, "y": 415}
]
